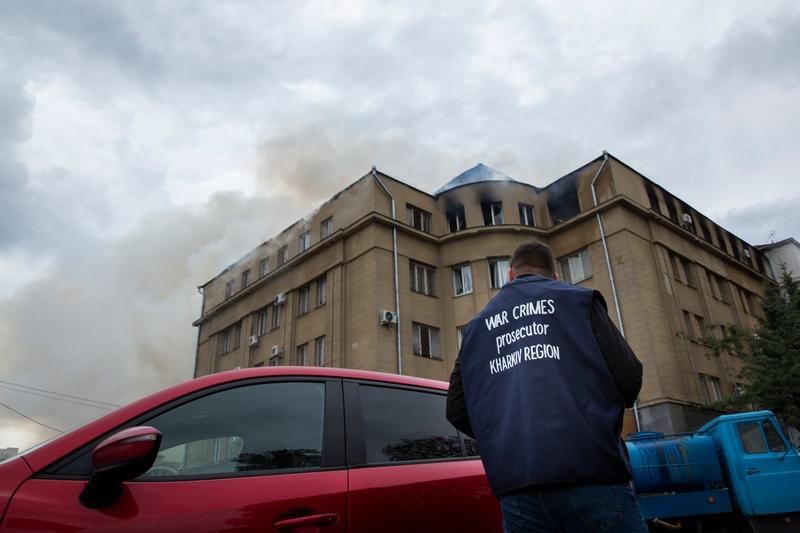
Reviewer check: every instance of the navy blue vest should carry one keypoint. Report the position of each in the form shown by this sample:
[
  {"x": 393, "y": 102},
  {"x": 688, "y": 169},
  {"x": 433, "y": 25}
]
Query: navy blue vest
[{"x": 540, "y": 397}]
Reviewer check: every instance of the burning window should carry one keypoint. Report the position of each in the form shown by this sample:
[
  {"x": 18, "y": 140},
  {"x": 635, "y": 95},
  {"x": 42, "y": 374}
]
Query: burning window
[
  {"x": 492, "y": 213},
  {"x": 526, "y": 215},
  {"x": 456, "y": 220},
  {"x": 418, "y": 218},
  {"x": 563, "y": 202}
]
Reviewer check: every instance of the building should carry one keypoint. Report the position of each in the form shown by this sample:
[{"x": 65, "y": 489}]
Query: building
[
  {"x": 5, "y": 453},
  {"x": 783, "y": 253},
  {"x": 323, "y": 291}
]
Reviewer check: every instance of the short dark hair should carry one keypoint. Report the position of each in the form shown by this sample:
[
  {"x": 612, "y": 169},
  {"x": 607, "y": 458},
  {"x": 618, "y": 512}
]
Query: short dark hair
[{"x": 534, "y": 255}]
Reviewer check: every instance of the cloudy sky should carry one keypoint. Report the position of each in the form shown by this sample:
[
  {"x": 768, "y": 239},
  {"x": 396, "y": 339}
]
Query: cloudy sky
[{"x": 145, "y": 146}]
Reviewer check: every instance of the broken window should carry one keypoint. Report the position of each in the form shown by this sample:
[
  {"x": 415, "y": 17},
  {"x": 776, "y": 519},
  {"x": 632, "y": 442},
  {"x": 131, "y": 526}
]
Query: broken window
[
  {"x": 526, "y": 215},
  {"x": 563, "y": 202},
  {"x": 456, "y": 221},
  {"x": 492, "y": 213},
  {"x": 426, "y": 340}
]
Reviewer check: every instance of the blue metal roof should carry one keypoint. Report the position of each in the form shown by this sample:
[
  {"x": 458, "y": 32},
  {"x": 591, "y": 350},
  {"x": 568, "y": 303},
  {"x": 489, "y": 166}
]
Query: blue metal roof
[{"x": 477, "y": 174}]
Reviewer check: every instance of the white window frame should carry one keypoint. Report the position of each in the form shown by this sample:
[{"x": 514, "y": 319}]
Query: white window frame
[
  {"x": 415, "y": 214},
  {"x": 460, "y": 335},
  {"x": 245, "y": 278},
  {"x": 260, "y": 322},
  {"x": 319, "y": 350},
  {"x": 303, "y": 299},
  {"x": 459, "y": 214},
  {"x": 423, "y": 279},
  {"x": 523, "y": 215},
  {"x": 576, "y": 267},
  {"x": 275, "y": 321},
  {"x": 500, "y": 276},
  {"x": 229, "y": 288},
  {"x": 283, "y": 255},
  {"x": 302, "y": 354},
  {"x": 263, "y": 267},
  {"x": 462, "y": 275},
  {"x": 322, "y": 291},
  {"x": 495, "y": 212},
  {"x": 425, "y": 334},
  {"x": 326, "y": 228},
  {"x": 304, "y": 242}
]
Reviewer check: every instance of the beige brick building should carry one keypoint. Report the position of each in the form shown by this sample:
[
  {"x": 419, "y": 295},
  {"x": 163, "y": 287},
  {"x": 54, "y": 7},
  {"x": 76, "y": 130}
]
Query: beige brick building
[{"x": 316, "y": 293}]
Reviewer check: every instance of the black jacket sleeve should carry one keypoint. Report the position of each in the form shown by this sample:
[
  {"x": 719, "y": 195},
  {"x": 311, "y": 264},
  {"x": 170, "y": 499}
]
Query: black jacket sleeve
[
  {"x": 622, "y": 362},
  {"x": 456, "y": 406}
]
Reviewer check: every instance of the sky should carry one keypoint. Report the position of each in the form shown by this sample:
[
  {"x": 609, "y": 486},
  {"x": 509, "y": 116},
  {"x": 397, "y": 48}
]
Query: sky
[{"x": 145, "y": 146}]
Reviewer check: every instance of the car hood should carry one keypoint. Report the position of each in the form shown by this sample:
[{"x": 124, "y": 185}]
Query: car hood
[{"x": 12, "y": 473}]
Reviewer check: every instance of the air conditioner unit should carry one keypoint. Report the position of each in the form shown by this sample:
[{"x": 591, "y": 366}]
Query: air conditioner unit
[
  {"x": 253, "y": 340},
  {"x": 276, "y": 351},
  {"x": 387, "y": 317},
  {"x": 237, "y": 368},
  {"x": 280, "y": 299},
  {"x": 686, "y": 219}
]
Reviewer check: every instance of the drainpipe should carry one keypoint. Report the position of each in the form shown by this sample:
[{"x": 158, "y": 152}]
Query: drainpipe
[
  {"x": 614, "y": 292},
  {"x": 201, "y": 290},
  {"x": 394, "y": 256}
]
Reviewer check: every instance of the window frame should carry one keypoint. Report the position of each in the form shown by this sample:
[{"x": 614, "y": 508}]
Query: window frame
[
  {"x": 456, "y": 217},
  {"x": 302, "y": 354},
  {"x": 333, "y": 432},
  {"x": 429, "y": 280},
  {"x": 319, "y": 355},
  {"x": 304, "y": 242},
  {"x": 283, "y": 255},
  {"x": 523, "y": 215},
  {"x": 489, "y": 262},
  {"x": 263, "y": 267},
  {"x": 580, "y": 254},
  {"x": 425, "y": 218},
  {"x": 460, "y": 275},
  {"x": 326, "y": 228},
  {"x": 436, "y": 354},
  {"x": 304, "y": 300},
  {"x": 488, "y": 208},
  {"x": 354, "y": 421},
  {"x": 322, "y": 295}
]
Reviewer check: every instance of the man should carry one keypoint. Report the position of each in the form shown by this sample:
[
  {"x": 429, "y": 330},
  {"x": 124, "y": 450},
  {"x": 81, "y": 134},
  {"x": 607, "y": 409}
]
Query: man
[{"x": 541, "y": 383}]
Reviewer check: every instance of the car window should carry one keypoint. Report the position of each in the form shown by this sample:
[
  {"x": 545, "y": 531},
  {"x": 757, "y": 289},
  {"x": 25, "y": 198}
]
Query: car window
[
  {"x": 774, "y": 440},
  {"x": 406, "y": 425},
  {"x": 252, "y": 428},
  {"x": 751, "y": 437},
  {"x": 470, "y": 447}
]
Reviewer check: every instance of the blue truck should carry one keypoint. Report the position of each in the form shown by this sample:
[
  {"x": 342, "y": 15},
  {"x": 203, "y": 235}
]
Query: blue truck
[{"x": 738, "y": 472}]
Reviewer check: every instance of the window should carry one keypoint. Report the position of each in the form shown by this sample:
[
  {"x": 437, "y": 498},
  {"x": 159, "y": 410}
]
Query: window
[
  {"x": 303, "y": 298},
  {"x": 418, "y": 218},
  {"x": 652, "y": 196},
  {"x": 304, "y": 241},
  {"x": 720, "y": 239},
  {"x": 774, "y": 440},
  {"x": 526, "y": 215},
  {"x": 322, "y": 291},
  {"x": 695, "y": 325},
  {"x": 326, "y": 228},
  {"x": 719, "y": 287},
  {"x": 228, "y": 289},
  {"x": 682, "y": 269},
  {"x": 252, "y": 428},
  {"x": 576, "y": 267},
  {"x": 319, "y": 351},
  {"x": 456, "y": 220},
  {"x": 462, "y": 279},
  {"x": 276, "y": 317},
  {"x": 260, "y": 322},
  {"x": 302, "y": 354},
  {"x": 749, "y": 302},
  {"x": 423, "y": 279},
  {"x": 263, "y": 267},
  {"x": 283, "y": 255},
  {"x": 241, "y": 430},
  {"x": 704, "y": 227},
  {"x": 245, "y": 278},
  {"x": 673, "y": 212},
  {"x": 229, "y": 338},
  {"x": 710, "y": 388},
  {"x": 426, "y": 340},
  {"x": 405, "y": 425},
  {"x": 498, "y": 273},
  {"x": 751, "y": 437},
  {"x": 492, "y": 213},
  {"x": 460, "y": 335}
]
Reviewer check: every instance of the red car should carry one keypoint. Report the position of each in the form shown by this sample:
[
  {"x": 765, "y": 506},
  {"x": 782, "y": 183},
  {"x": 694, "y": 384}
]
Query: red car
[{"x": 265, "y": 449}]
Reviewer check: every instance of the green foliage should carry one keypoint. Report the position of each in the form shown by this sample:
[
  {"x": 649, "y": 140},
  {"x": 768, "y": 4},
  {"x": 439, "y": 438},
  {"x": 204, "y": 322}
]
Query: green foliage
[{"x": 771, "y": 354}]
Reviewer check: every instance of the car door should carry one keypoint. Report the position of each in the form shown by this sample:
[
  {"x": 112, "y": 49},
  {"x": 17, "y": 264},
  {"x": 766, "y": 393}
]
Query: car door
[
  {"x": 246, "y": 456},
  {"x": 409, "y": 469},
  {"x": 770, "y": 481}
]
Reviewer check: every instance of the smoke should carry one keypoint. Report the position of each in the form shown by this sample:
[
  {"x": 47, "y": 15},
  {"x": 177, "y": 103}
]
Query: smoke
[{"x": 114, "y": 323}]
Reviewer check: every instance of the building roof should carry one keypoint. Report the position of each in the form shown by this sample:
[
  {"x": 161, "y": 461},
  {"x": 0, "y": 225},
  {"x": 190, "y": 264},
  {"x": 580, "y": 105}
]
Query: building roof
[
  {"x": 477, "y": 174},
  {"x": 770, "y": 246}
]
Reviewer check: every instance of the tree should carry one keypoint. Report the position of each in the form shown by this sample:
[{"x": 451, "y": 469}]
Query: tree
[{"x": 771, "y": 354}]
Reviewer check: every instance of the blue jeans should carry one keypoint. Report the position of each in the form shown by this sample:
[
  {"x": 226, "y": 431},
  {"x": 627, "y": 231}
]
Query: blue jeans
[{"x": 595, "y": 508}]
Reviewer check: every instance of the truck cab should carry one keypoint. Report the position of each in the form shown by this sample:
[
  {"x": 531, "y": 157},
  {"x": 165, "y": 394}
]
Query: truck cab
[{"x": 759, "y": 460}]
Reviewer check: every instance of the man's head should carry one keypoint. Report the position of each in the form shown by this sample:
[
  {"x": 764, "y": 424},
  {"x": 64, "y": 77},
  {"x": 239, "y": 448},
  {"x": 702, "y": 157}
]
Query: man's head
[{"x": 532, "y": 257}]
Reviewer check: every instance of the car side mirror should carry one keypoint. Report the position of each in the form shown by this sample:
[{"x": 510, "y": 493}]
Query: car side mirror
[{"x": 123, "y": 456}]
